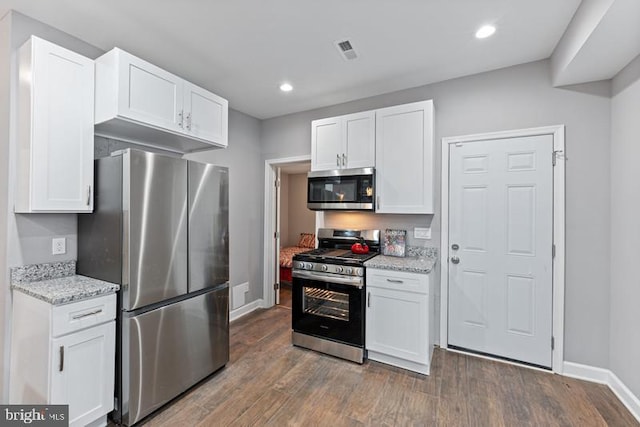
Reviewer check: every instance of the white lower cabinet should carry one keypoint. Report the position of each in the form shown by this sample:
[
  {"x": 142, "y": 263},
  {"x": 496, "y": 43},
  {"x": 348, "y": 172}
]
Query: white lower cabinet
[
  {"x": 399, "y": 319},
  {"x": 64, "y": 355}
]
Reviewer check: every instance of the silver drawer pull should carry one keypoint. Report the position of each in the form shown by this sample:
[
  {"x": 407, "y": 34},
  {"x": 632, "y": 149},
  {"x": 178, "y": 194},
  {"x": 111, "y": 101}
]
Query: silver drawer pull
[
  {"x": 91, "y": 313},
  {"x": 394, "y": 281}
]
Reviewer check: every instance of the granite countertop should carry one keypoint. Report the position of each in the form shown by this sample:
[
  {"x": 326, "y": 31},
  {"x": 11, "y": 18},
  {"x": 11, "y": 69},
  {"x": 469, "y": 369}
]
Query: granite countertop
[
  {"x": 57, "y": 283},
  {"x": 418, "y": 260}
]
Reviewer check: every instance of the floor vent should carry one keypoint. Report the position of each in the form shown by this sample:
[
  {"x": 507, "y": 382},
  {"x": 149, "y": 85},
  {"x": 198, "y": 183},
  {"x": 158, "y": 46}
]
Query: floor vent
[{"x": 346, "y": 49}]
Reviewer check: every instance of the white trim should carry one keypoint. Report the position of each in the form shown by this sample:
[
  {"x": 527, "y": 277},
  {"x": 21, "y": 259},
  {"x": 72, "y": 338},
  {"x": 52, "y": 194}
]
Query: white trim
[
  {"x": 269, "y": 261},
  {"x": 245, "y": 309},
  {"x": 558, "y": 230},
  {"x": 605, "y": 376}
]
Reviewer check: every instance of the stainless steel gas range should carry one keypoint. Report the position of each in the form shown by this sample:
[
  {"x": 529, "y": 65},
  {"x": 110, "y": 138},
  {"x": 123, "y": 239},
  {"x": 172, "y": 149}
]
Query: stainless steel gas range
[{"x": 329, "y": 294}]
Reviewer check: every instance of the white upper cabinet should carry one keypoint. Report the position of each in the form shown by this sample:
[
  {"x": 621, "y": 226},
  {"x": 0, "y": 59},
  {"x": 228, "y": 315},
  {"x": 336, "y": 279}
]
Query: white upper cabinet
[
  {"x": 343, "y": 142},
  {"x": 141, "y": 103},
  {"x": 404, "y": 159},
  {"x": 55, "y": 129}
]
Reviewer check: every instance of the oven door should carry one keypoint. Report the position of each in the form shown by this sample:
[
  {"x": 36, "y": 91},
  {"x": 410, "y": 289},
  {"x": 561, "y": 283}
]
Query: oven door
[{"x": 328, "y": 306}]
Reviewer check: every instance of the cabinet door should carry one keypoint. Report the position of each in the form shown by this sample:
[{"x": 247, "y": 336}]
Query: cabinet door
[
  {"x": 149, "y": 94},
  {"x": 56, "y": 129},
  {"x": 359, "y": 140},
  {"x": 205, "y": 115},
  {"x": 82, "y": 372},
  {"x": 397, "y": 324},
  {"x": 404, "y": 159},
  {"x": 326, "y": 144}
]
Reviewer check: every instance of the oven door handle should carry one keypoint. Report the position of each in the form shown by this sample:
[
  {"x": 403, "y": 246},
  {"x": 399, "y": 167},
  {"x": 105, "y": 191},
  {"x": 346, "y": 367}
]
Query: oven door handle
[{"x": 329, "y": 278}]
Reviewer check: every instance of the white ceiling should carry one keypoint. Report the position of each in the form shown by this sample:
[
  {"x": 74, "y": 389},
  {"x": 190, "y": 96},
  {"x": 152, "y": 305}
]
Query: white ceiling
[{"x": 244, "y": 49}]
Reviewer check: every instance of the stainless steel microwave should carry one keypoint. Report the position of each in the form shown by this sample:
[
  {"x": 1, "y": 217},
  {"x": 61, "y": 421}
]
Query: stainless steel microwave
[{"x": 341, "y": 189}]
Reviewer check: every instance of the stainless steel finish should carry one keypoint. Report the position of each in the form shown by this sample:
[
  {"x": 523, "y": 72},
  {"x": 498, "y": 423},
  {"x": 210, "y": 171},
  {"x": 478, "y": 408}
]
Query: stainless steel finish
[
  {"x": 156, "y": 228},
  {"x": 90, "y": 313},
  {"x": 455, "y": 260},
  {"x": 189, "y": 121},
  {"x": 344, "y": 159},
  {"x": 369, "y": 235},
  {"x": 338, "y": 160},
  {"x": 377, "y": 202},
  {"x": 345, "y": 206},
  {"x": 169, "y": 349},
  {"x": 208, "y": 225},
  {"x": 358, "y": 282},
  {"x": 61, "y": 367},
  {"x": 343, "y": 351},
  {"x": 368, "y": 299},
  {"x": 340, "y": 172},
  {"x": 455, "y": 247},
  {"x": 89, "y": 196},
  {"x": 394, "y": 281},
  {"x": 180, "y": 119},
  {"x": 327, "y": 268}
]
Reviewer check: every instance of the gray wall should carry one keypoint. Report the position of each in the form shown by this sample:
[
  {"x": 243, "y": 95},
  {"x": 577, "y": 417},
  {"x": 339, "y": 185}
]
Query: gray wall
[
  {"x": 246, "y": 175},
  {"x": 514, "y": 98},
  {"x": 625, "y": 227},
  {"x": 28, "y": 237},
  {"x": 301, "y": 219}
]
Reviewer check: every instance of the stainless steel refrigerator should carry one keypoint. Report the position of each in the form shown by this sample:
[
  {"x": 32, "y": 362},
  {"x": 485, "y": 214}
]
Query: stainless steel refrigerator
[{"x": 160, "y": 230}]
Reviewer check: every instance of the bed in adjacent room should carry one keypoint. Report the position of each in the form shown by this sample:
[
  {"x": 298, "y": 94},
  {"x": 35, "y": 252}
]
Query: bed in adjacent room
[{"x": 307, "y": 242}]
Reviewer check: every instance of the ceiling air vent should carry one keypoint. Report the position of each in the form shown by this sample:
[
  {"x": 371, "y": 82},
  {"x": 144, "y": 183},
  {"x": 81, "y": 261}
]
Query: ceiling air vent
[{"x": 346, "y": 50}]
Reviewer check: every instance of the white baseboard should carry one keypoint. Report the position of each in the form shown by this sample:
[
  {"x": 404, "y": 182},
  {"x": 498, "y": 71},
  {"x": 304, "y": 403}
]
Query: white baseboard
[
  {"x": 605, "y": 376},
  {"x": 245, "y": 309}
]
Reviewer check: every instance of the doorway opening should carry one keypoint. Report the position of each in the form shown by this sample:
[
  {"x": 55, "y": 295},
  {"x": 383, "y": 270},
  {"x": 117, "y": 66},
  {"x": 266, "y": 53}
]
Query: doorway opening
[
  {"x": 476, "y": 281},
  {"x": 289, "y": 226}
]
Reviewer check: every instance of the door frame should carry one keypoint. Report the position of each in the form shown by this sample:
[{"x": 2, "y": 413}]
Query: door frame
[
  {"x": 269, "y": 261},
  {"x": 558, "y": 262}
]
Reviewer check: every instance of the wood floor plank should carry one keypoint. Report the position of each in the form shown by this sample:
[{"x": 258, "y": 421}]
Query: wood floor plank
[{"x": 269, "y": 382}]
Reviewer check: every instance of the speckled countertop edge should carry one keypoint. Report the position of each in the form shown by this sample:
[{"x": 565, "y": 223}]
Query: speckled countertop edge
[
  {"x": 421, "y": 260},
  {"x": 57, "y": 283}
]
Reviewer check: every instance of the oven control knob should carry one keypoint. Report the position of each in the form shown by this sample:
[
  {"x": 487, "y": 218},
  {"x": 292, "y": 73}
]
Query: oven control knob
[
  {"x": 349, "y": 271},
  {"x": 359, "y": 272},
  {"x": 325, "y": 268},
  {"x": 309, "y": 266},
  {"x": 339, "y": 269}
]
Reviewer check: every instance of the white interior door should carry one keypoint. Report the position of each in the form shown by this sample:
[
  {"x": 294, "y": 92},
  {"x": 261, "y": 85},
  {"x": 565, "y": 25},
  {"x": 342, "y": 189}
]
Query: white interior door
[
  {"x": 500, "y": 247},
  {"x": 277, "y": 237}
]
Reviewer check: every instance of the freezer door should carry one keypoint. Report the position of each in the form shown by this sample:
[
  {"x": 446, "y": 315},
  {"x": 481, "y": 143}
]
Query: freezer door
[
  {"x": 154, "y": 228},
  {"x": 167, "y": 350},
  {"x": 208, "y": 225}
]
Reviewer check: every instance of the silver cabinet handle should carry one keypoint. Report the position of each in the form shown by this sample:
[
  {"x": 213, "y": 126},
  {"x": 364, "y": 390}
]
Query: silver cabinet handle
[
  {"x": 338, "y": 160},
  {"x": 61, "y": 367},
  {"x": 189, "y": 121},
  {"x": 180, "y": 119},
  {"x": 90, "y": 313},
  {"x": 89, "y": 196},
  {"x": 377, "y": 202},
  {"x": 394, "y": 281},
  {"x": 344, "y": 159},
  {"x": 368, "y": 299},
  {"x": 455, "y": 260}
]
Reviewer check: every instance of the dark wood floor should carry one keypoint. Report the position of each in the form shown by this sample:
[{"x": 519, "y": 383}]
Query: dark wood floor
[{"x": 269, "y": 382}]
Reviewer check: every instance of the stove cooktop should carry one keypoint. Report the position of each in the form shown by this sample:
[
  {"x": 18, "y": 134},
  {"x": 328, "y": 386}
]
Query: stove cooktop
[{"x": 333, "y": 255}]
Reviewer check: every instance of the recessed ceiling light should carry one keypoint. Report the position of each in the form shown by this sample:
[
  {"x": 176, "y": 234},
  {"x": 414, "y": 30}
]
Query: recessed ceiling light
[
  {"x": 485, "y": 31},
  {"x": 286, "y": 87}
]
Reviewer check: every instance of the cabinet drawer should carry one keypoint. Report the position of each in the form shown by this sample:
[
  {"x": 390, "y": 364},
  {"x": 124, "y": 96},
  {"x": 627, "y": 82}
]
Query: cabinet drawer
[
  {"x": 398, "y": 280},
  {"x": 82, "y": 314}
]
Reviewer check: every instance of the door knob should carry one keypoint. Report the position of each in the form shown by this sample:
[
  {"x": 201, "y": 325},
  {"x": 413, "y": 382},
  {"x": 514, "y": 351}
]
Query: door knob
[{"x": 455, "y": 260}]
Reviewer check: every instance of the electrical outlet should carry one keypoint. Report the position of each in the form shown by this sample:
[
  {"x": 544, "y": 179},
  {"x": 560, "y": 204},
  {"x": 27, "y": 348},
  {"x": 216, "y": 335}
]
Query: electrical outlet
[
  {"x": 59, "y": 246},
  {"x": 422, "y": 233}
]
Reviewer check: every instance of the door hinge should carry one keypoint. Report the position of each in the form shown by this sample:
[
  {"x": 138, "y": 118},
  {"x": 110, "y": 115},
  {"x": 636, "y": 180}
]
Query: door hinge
[
  {"x": 553, "y": 158},
  {"x": 553, "y": 343},
  {"x": 276, "y": 235},
  {"x": 277, "y": 183},
  {"x": 553, "y": 251},
  {"x": 276, "y": 286}
]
